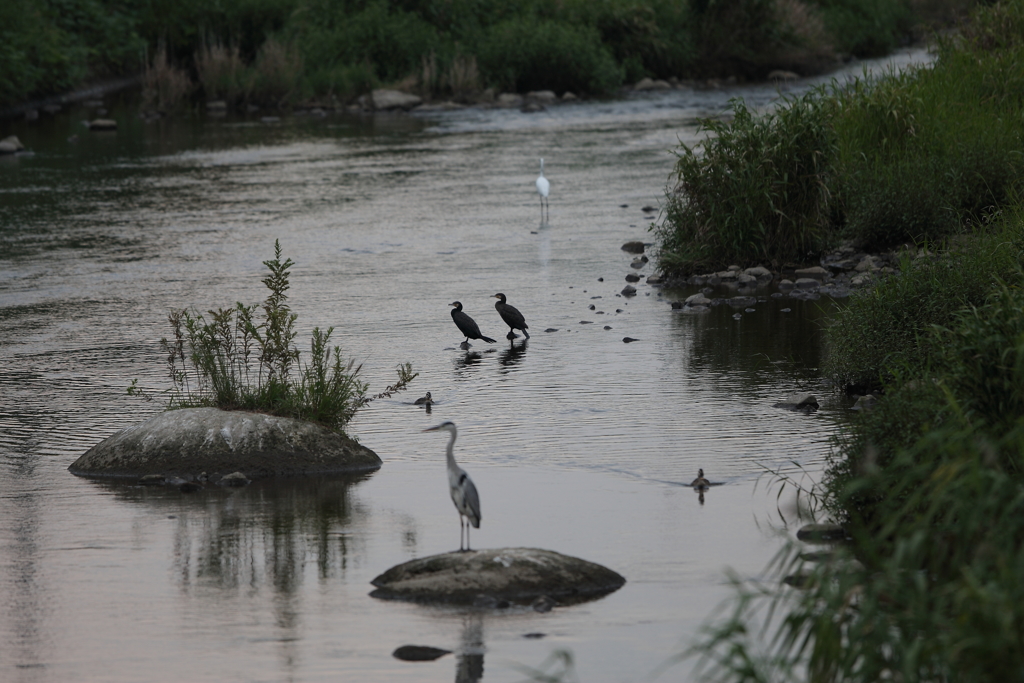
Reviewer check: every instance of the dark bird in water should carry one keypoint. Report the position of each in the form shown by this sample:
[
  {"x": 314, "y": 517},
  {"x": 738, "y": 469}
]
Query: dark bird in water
[
  {"x": 461, "y": 487},
  {"x": 512, "y": 317},
  {"x": 425, "y": 400},
  {"x": 700, "y": 482},
  {"x": 466, "y": 324}
]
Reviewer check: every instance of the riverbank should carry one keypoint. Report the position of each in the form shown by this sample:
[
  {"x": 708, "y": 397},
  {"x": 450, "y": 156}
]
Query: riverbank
[
  {"x": 286, "y": 52},
  {"x": 928, "y": 481}
]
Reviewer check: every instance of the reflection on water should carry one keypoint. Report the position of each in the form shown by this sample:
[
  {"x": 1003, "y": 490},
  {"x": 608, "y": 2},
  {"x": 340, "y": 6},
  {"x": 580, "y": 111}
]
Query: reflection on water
[
  {"x": 513, "y": 355},
  {"x": 578, "y": 442},
  {"x": 469, "y": 666}
]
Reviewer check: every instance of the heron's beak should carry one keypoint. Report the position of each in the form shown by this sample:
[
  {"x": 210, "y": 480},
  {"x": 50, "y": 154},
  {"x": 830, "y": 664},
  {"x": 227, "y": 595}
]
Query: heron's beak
[{"x": 430, "y": 429}]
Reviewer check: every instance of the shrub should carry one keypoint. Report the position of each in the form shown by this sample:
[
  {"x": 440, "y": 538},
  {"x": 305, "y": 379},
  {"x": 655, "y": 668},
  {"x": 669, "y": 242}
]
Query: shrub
[
  {"x": 866, "y": 28},
  {"x": 760, "y": 191},
  {"x": 342, "y": 81},
  {"x": 524, "y": 54},
  {"x": 887, "y": 327},
  {"x": 276, "y": 74},
  {"x": 244, "y": 358}
]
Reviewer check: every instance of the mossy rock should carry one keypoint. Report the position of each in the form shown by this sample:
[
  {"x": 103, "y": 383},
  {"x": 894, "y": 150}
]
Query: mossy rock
[
  {"x": 187, "y": 442},
  {"x": 514, "y": 574}
]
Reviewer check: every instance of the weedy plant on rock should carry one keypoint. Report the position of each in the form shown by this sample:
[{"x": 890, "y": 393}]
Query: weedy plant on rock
[{"x": 244, "y": 358}]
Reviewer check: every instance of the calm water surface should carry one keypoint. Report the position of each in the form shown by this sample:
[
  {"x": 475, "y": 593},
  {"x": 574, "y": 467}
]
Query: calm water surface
[{"x": 578, "y": 442}]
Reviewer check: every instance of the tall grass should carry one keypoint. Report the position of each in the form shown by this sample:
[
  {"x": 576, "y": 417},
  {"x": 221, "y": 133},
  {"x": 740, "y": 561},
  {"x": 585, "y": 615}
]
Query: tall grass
[
  {"x": 887, "y": 327},
  {"x": 165, "y": 86},
  {"x": 758, "y": 189},
  {"x": 901, "y": 158},
  {"x": 245, "y": 358},
  {"x": 221, "y": 71}
]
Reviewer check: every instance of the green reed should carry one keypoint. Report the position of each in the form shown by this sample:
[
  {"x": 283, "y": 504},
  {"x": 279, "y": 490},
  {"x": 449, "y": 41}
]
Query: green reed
[
  {"x": 901, "y": 158},
  {"x": 245, "y": 358}
]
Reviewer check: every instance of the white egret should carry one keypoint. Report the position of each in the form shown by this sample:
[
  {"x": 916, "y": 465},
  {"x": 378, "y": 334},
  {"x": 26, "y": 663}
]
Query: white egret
[
  {"x": 543, "y": 188},
  {"x": 512, "y": 317},
  {"x": 461, "y": 487}
]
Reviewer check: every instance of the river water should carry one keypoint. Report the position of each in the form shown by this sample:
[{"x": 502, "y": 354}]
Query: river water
[{"x": 577, "y": 441}]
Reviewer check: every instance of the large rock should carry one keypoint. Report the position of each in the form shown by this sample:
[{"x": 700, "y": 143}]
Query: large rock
[
  {"x": 11, "y": 145},
  {"x": 393, "y": 99},
  {"x": 185, "y": 443},
  {"x": 515, "y": 574},
  {"x": 103, "y": 124}
]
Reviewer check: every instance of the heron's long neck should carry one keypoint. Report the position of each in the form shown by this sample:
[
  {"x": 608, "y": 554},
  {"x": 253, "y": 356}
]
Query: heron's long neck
[
  {"x": 542, "y": 167},
  {"x": 450, "y": 451}
]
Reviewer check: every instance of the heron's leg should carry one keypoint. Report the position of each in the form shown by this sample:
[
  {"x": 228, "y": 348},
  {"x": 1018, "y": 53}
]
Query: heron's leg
[{"x": 467, "y": 534}]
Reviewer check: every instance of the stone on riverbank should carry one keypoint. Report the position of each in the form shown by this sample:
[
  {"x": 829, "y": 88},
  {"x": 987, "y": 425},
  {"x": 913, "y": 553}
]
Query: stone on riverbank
[
  {"x": 103, "y": 124},
  {"x": 518, "y": 575},
  {"x": 11, "y": 145},
  {"x": 184, "y": 443},
  {"x": 385, "y": 100}
]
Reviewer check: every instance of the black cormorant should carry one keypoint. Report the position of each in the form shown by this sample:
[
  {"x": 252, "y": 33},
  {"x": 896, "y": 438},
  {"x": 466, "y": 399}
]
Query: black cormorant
[
  {"x": 425, "y": 400},
  {"x": 512, "y": 317},
  {"x": 466, "y": 324}
]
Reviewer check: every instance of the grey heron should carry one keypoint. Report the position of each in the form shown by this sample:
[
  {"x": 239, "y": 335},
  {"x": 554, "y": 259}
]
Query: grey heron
[
  {"x": 466, "y": 324},
  {"x": 700, "y": 482},
  {"x": 461, "y": 487},
  {"x": 543, "y": 188},
  {"x": 512, "y": 317}
]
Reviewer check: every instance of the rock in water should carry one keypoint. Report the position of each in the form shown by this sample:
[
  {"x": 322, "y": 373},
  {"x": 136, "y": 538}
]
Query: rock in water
[
  {"x": 419, "y": 653},
  {"x": 519, "y": 575},
  {"x": 186, "y": 442}
]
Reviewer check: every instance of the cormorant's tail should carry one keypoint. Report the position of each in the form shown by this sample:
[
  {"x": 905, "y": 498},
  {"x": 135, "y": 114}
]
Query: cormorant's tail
[{"x": 487, "y": 339}]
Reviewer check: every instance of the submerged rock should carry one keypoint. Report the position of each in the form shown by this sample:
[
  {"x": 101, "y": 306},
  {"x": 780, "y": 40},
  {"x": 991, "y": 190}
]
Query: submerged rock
[
  {"x": 821, "y": 533},
  {"x": 186, "y": 442},
  {"x": 419, "y": 653},
  {"x": 799, "y": 402},
  {"x": 519, "y": 575}
]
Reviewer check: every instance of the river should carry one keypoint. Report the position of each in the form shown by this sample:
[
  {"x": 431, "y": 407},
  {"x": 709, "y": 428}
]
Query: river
[{"x": 577, "y": 441}]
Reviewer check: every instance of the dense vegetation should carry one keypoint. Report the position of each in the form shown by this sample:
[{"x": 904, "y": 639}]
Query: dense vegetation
[
  {"x": 900, "y": 159},
  {"x": 283, "y": 51},
  {"x": 929, "y": 484},
  {"x": 244, "y": 358}
]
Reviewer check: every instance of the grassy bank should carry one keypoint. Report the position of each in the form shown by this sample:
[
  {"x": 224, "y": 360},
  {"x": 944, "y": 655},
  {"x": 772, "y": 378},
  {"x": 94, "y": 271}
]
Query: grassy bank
[
  {"x": 900, "y": 159},
  {"x": 275, "y": 52},
  {"x": 929, "y": 484}
]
